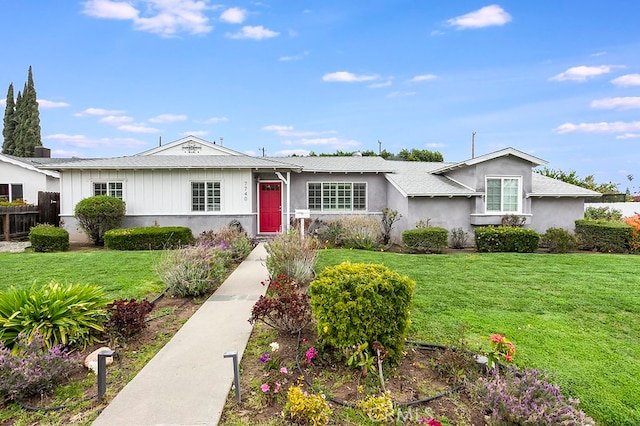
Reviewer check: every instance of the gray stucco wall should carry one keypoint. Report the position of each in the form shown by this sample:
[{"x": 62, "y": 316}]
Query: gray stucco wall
[
  {"x": 448, "y": 213},
  {"x": 555, "y": 213}
]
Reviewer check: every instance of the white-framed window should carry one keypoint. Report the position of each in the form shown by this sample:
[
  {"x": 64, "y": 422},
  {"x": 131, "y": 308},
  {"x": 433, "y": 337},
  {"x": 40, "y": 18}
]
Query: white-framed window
[
  {"x": 113, "y": 189},
  {"x": 205, "y": 196},
  {"x": 337, "y": 196},
  {"x": 503, "y": 194},
  {"x": 11, "y": 191}
]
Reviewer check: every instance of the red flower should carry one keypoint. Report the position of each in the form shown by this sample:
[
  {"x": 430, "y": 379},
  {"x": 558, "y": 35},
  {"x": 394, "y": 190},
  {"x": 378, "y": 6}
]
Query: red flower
[
  {"x": 508, "y": 358},
  {"x": 497, "y": 338}
]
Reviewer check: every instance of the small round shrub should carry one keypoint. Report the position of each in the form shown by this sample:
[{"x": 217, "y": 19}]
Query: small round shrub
[
  {"x": 558, "y": 240},
  {"x": 362, "y": 303},
  {"x": 96, "y": 215},
  {"x": 48, "y": 238},
  {"x": 426, "y": 240},
  {"x": 191, "y": 271},
  {"x": 303, "y": 408}
]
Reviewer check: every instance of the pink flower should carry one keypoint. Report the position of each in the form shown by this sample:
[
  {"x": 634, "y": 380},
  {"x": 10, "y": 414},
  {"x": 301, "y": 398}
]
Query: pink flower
[
  {"x": 497, "y": 338},
  {"x": 277, "y": 388},
  {"x": 284, "y": 370},
  {"x": 429, "y": 421},
  {"x": 265, "y": 388},
  {"x": 508, "y": 358}
]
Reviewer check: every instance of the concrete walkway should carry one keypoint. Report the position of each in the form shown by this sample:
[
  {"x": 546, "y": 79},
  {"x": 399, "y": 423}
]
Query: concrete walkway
[{"x": 188, "y": 381}]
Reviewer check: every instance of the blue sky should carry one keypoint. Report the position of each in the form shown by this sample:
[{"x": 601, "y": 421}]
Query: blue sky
[{"x": 558, "y": 79}]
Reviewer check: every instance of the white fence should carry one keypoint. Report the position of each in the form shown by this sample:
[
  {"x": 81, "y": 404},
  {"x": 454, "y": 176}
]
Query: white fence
[{"x": 627, "y": 209}]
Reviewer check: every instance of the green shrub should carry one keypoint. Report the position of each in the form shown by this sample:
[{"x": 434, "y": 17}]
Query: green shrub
[
  {"x": 192, "y": 271},
  {"x": 357, "y": 303},
  {"x": 426, "y": 240},
  {"x": 47, "y": 238},
  {"x": 291, "y": 257},
  {"x": 558, "y": 240},
  {"x": 605, "y": 237},
  {"x": 603, "y": 213},
  {"x": 96, "y": 215},
  {"x": 506, "y": 239},
  {"x": 306, "y": 409},
  {"x": 67, "y": 315},
  {"x": 377, "y": 408},
  {"x": 149, "y": 238},
  {"x": 328, "y": 233}
]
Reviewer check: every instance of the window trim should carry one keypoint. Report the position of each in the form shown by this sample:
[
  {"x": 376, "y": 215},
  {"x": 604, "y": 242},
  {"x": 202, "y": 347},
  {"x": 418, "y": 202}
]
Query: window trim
[
  {"x": 502, "y": 179},
  {"x": 109, "y": 191},
  {"x": 322, "y": 197},
  {"x": 11, "y": 196},
  {"x": 207, "y": 197}
]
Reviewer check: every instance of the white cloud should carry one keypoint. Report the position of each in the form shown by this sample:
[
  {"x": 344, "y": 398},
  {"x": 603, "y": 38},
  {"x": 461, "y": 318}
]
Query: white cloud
[
  {"x": 196, "y": 133},
  {"x": 435, "y": 33},
  {"x": 168, "y": 118},
  {"x": 380, "y": 85},
  {"x": 164, "y": 17},
  {"x": 98, "y": 112},
  {"x": 488, "y": 16},
  {"x": 255, "y": 33},
  {"x": 602, "y": 127},
  {"x": 399, "y": 94},
  {"x": 216, "y": 120},
  {"x": 423, "y": 77},
  {"x": 348, "y": 77},
  {"x": 628, "y": 136},
  {"x": 82, "y": 141},
  {"x": 116, "y": 120},
  {"x": 277, "y": 128},
  {"x": 137, "y": 128},
  {"x": 616, "y": 103},
  {"x": 234, "y": 15},
  {"x": 294, "y": 57},
  {"x": 436, "y": 145},
  {"x": 45, "y": 104},
  {"x": 583, "y": 73},
  {"x": 107, "y": 9},
  {"x": 627, "y": 80}
]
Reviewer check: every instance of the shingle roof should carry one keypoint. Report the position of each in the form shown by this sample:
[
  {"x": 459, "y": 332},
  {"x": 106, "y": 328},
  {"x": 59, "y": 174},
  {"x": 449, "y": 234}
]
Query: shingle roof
[
  {"x": 415, "y": 179},
  {"x": 543, "y": 186},
  {"x": 174, "y": 162},
  {"x": 339, "y": 164}
]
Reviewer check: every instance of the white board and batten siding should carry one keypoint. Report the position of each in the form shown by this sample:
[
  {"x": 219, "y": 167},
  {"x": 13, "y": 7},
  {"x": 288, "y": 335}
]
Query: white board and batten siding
[{"x": 161, "y": 192}]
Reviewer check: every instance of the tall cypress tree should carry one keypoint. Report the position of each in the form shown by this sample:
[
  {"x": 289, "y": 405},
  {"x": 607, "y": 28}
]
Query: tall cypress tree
[
  {"x": 8, "y": 131},
  {"x": 26, "y": 132}
]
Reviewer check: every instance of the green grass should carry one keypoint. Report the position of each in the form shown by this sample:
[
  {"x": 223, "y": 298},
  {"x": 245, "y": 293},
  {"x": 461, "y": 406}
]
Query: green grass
[
  {"x": 122, "y": 274},
  {"x": 576, "y": 316}
]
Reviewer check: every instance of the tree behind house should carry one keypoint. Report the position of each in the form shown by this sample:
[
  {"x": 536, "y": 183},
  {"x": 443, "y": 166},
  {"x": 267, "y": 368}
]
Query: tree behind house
[{"x": 22, "y": 131}]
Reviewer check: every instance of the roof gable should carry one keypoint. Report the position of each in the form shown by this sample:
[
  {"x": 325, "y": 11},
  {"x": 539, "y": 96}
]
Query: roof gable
[
  {"x": 535, "y": 161},
  {"x": 190, "y": 146},
  {"x": 26, "y": 164}
]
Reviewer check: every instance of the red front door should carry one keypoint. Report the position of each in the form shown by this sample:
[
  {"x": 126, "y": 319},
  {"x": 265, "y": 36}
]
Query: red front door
[{"x": 270, "y": 206}]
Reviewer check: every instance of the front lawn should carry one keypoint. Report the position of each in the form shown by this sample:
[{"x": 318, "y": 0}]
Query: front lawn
[
  {"x": 576, "y": 316},
  {"x": 121, "y": 274}
]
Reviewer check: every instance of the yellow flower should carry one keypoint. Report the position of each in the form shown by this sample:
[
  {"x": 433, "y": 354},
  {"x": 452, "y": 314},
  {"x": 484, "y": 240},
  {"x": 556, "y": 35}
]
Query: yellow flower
[{"x": 325, "y": 329}]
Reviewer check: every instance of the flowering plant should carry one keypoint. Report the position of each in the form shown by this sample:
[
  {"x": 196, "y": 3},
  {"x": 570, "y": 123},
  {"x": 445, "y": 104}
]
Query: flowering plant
[
  {"x": 430, "y": 421},
  {"x": 275, "y": 374},
  {"x": 501, "y": 350}
]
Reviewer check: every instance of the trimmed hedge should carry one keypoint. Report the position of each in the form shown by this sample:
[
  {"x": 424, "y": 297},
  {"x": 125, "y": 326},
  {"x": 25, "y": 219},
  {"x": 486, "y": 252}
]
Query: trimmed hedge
[
  {"x": 47, "y": 238},
  {"x": 430, "y": 239},
  {"x": 506, "y": 239},
  {"x": 149, "y": 238},
  {"x": 98, "y": 214},
  {"x": 605, "y": 237}
]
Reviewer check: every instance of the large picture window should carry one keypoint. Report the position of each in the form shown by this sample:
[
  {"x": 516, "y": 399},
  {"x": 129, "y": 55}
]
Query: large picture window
[
  {"x": 113, "y": 189},
  {"x": 503, "y": 195},
  {"x": 337, "y": 196},
  {"x": 205, "y": 196}
]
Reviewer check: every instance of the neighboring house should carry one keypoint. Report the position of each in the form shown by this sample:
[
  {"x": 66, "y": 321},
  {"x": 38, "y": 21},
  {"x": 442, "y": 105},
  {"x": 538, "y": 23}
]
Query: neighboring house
[
  {"x": 195, "y": 183},
  {"x": 21, "y": 178}
]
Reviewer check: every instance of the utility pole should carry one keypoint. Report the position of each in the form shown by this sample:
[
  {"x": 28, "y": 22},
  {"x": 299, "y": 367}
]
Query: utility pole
[
  {"x": 261, "y": 149},
  {"x": 473, "y": 144},
  {"x": 379, "y": 147}
]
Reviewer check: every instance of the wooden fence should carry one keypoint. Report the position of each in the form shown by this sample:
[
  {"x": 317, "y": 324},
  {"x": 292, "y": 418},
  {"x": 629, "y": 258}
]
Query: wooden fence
[{"x": 16, "y": 221}]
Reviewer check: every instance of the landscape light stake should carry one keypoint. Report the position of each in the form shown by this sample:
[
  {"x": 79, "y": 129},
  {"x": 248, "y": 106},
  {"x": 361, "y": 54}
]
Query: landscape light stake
[
  {"x": 236, "y": 372},
  {"x": 102, "y": 372}
]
